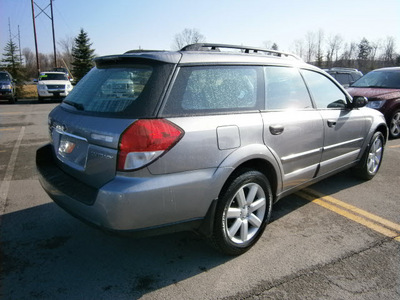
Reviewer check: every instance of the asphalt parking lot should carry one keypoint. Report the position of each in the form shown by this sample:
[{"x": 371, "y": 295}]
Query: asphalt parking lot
[{"x": 338, "y": 239}]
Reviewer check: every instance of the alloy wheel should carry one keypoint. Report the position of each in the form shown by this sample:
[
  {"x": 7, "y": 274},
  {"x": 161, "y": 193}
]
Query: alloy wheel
[
  {"x": 395, "y": 125},
  {"x": 375, "y": 155},
  {"x": 245, "y": 213}
]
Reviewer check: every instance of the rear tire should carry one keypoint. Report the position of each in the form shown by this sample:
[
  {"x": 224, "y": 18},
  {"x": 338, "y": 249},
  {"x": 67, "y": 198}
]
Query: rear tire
[
  {"x": 242, "y": 213},
  {"x": 372, "y": 158},
  {"x": 394, "y": 125}
]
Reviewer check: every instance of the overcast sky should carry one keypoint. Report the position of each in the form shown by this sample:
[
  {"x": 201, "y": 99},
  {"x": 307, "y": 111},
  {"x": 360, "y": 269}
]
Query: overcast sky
[{"x": 115, "y": 26}]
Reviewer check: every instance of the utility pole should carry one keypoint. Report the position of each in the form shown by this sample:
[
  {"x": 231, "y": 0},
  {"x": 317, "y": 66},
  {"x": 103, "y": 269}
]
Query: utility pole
[
  {"x": 36, "y": 47},
  {"x": 54, "y": 37},
  {"x": 52, "y": 26},
  {"x": 19, "y": 45}
]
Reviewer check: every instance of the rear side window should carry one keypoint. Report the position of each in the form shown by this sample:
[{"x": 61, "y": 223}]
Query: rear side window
[
  {"x": 285, "y": 89},
  {"x": 204, "y": 90},
  {"x": 324, "y": 92},
  {"x": 121, "y": 90}
]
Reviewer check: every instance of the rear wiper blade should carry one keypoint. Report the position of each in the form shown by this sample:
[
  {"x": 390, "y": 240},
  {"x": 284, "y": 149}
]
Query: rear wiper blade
[{"x": 78, "y": 106}]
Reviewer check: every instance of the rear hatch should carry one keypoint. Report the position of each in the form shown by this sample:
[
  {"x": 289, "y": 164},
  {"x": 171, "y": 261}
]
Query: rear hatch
[{"x": 85, "y": 129}]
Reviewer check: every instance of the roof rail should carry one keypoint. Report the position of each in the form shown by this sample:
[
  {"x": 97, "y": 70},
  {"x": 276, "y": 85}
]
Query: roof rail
[
  {"x": 142, "y": 50},
  {"x": 343, "y": 68},
  {"x": 245, "y": 49}
]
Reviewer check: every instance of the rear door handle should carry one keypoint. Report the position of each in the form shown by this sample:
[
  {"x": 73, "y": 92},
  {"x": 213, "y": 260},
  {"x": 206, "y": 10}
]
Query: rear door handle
[
  {"x": 276, "y": 129},
  {"x": 331, "y": 123}
]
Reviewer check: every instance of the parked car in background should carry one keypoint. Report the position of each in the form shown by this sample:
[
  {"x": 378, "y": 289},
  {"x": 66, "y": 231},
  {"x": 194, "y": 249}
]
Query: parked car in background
[
  {"x": 53, "y": 85},
  {"x": 202, "y": 139},
  {"x": 7, "y": 87},
  {"x": 64, "y": 70},
  {"x": 345, "y": 76},
  {"x": 382, "y": 88}
]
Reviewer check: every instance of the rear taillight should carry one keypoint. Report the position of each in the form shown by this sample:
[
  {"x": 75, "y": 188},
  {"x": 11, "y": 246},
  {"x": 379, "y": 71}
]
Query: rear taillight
[{"x": 146, "y": 140}]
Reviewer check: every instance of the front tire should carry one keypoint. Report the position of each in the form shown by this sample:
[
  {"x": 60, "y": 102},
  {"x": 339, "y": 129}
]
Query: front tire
[
  {"x": 394, "y": 125},
  {"x": 372, "y": 158},
  {"x": 242, "y": 213}
]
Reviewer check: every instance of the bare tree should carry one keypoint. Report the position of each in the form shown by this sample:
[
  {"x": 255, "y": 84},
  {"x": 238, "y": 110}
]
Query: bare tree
[
  {"x": 372, "y": 56},
  {"x": 334, "y": 46},
  {"x": 320, "y": 41},
  {"x": 30, "y": 62},
  {"x": 389, "y": 51},
  {"x": 311, "y": 45},
  {"x": 349, "y": 55},
  {"x": 66, "y": 55},
  {"x": 46, "y": 62},
  {"x": 298, "y": 46},
  {"x": 187, "y": 37}
]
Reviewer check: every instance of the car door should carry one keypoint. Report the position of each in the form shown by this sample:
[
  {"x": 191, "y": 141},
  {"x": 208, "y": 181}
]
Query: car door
[
  {"x": 293, "y": 129},
  {"x": 344, "y": 128}
]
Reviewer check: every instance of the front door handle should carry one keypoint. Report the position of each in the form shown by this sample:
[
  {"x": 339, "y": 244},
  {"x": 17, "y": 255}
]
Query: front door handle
[
  {"x": 276, "y": 129},
  {"x": 331, "y": 123}
]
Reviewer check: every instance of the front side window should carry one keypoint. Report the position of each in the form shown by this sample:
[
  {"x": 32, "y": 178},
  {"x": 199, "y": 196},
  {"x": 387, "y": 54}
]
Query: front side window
[
  {"x": 323, "y": 91},
  {"x": 285, "y": 89},
  {"x": 202, "y": 90}
]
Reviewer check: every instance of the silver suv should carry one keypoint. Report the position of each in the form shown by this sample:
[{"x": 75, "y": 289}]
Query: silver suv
[{"x": 202, "y": 139}]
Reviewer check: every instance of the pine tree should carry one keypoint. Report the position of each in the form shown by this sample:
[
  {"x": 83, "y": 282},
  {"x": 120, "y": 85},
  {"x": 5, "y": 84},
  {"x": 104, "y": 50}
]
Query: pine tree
[
  {"x": 11, "y": 59},
  {"x": 364, "y": 49},
  {"x": 82, "y": 56}
]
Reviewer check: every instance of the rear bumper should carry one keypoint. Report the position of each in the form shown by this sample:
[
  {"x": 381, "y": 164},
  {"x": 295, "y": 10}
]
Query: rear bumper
[{"x": 129, "y": 203}]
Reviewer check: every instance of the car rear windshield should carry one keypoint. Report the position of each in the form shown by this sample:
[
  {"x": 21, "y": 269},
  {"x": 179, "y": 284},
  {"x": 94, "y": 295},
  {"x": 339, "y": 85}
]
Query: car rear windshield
[{"x": 121, "y": 90}]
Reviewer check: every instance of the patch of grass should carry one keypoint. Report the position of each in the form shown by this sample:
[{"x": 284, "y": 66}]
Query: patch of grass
[{"x": 27, "y": 91}]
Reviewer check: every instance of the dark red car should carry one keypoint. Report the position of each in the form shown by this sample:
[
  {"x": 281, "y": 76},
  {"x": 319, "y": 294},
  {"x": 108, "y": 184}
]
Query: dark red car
[{"x": 382, "y": 88}]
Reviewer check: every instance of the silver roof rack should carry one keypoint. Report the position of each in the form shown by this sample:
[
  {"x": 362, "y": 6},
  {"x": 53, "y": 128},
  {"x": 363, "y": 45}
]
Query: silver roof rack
[{"x": 244, "y": 49}]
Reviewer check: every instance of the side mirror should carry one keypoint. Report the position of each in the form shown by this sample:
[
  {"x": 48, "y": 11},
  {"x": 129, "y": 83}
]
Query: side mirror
[
  {"x": 35, "y": 80},
  {"x": 359, "y": 101}
]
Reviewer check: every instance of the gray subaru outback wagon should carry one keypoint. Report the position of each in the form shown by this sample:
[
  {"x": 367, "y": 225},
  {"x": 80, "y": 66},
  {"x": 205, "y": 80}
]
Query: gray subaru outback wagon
[{"x": 207, "y": 138}]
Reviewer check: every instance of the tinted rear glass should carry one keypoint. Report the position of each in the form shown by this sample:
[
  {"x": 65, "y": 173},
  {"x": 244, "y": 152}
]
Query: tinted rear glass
[
  {"x": 121, "y": 90},
  {"x": 215, "y": 89}
]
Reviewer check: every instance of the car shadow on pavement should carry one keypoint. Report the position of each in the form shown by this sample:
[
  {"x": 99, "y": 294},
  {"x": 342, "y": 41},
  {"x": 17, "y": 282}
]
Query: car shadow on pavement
[
  {"x": 48, "y": 254},
  {"x": 328, "y": 186}
]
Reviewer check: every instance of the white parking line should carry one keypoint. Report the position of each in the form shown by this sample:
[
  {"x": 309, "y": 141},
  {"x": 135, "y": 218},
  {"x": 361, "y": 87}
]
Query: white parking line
[{"x": 5, "y": 185}]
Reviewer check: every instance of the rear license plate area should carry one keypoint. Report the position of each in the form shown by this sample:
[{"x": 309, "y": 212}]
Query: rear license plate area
[{"x": 72, "y": 150}]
